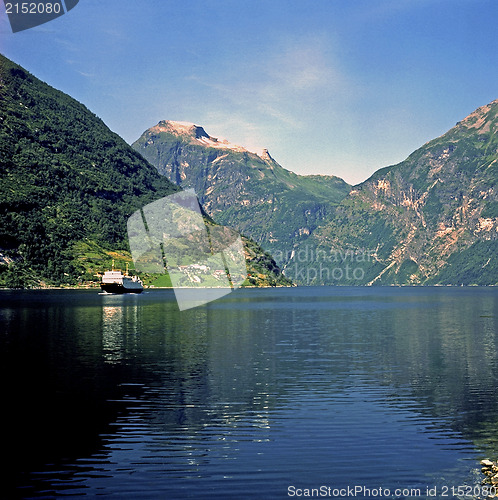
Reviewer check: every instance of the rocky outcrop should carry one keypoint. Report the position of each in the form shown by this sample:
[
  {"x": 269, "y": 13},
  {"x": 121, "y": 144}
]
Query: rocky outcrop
[{"x": 490, "y": 481}]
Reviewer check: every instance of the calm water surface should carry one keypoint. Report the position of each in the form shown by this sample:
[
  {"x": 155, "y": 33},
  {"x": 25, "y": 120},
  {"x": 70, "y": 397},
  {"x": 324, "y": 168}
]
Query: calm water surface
[{"x": 251, "y": 396}]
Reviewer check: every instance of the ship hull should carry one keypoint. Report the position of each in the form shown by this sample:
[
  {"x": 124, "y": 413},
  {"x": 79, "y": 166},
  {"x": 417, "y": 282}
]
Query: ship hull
[{"x": 118, "y": 288}]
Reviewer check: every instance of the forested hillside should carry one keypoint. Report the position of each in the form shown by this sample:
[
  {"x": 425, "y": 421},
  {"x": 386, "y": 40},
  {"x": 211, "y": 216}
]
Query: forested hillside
[{"x": 433, "y": 218}]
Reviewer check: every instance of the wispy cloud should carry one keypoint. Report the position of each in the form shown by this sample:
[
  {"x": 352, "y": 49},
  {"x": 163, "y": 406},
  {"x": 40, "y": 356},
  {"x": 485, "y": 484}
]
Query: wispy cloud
[
  {"x": 294, "y": 71},
  {"x": 304, "y": 64},
  {"x": 87, "y": 75}
]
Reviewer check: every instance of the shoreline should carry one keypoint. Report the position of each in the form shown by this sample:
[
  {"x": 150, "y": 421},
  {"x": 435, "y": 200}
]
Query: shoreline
[
  {"x": 490, "y": 471},
  {"x": 146, "y": 288},
  {"x": 84, "y": 287}
]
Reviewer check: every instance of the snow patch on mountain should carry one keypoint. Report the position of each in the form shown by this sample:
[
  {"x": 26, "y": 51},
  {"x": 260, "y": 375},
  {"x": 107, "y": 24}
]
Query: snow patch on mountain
[{"x": 197, "y": 133}]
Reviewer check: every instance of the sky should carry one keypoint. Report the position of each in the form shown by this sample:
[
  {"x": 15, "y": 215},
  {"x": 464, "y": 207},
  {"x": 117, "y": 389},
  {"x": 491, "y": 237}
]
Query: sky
[{"x": 329, "y": 87}]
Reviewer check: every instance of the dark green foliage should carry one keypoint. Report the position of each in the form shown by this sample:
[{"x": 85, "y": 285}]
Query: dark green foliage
[
  {"x": 477, "y": 265},
  {"x": 490, "y": 210},
  {"x": 262, "y": 268},
  {"x": 64, "y": 176}
]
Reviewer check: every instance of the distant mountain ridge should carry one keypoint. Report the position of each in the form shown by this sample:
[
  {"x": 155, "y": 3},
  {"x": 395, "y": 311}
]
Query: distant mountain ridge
[{"x": 432, "y": 219}]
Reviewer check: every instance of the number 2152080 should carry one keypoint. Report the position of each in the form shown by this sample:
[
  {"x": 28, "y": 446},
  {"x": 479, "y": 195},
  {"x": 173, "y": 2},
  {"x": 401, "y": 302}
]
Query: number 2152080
[{"x": 33, "y": 8}]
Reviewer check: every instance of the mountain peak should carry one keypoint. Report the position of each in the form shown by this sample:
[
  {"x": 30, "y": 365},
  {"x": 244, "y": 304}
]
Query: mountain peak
[
  {"x": 180, "y": 128},
  {"x": 265, "y": 155},
  {"x": 481, "y": 118},
  {"x": 196, "y": 134}
]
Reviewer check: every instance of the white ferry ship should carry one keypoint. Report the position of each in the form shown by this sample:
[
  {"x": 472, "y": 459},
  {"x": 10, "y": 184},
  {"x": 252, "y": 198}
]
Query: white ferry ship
[{"x": 115, "y": 281}]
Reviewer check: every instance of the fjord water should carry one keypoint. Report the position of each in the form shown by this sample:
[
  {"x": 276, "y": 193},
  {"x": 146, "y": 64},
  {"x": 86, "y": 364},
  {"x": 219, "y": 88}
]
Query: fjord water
[{"x": 251, "y": 396}]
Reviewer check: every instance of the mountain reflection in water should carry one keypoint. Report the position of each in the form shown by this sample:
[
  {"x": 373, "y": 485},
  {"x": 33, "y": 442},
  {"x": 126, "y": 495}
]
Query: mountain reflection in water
[{"x": 247, "y": 395}]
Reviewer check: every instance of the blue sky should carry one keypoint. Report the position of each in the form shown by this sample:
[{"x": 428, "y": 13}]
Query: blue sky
[{"x": 328, "y": 86}]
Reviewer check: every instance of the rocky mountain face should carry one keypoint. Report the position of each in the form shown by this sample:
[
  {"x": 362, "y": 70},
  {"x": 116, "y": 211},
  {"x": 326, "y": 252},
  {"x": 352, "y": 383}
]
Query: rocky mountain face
[
  {"x": 432, "y": 219},
  {"x": 67, "y": 187},
  {"x": 248, "y": 191}
]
